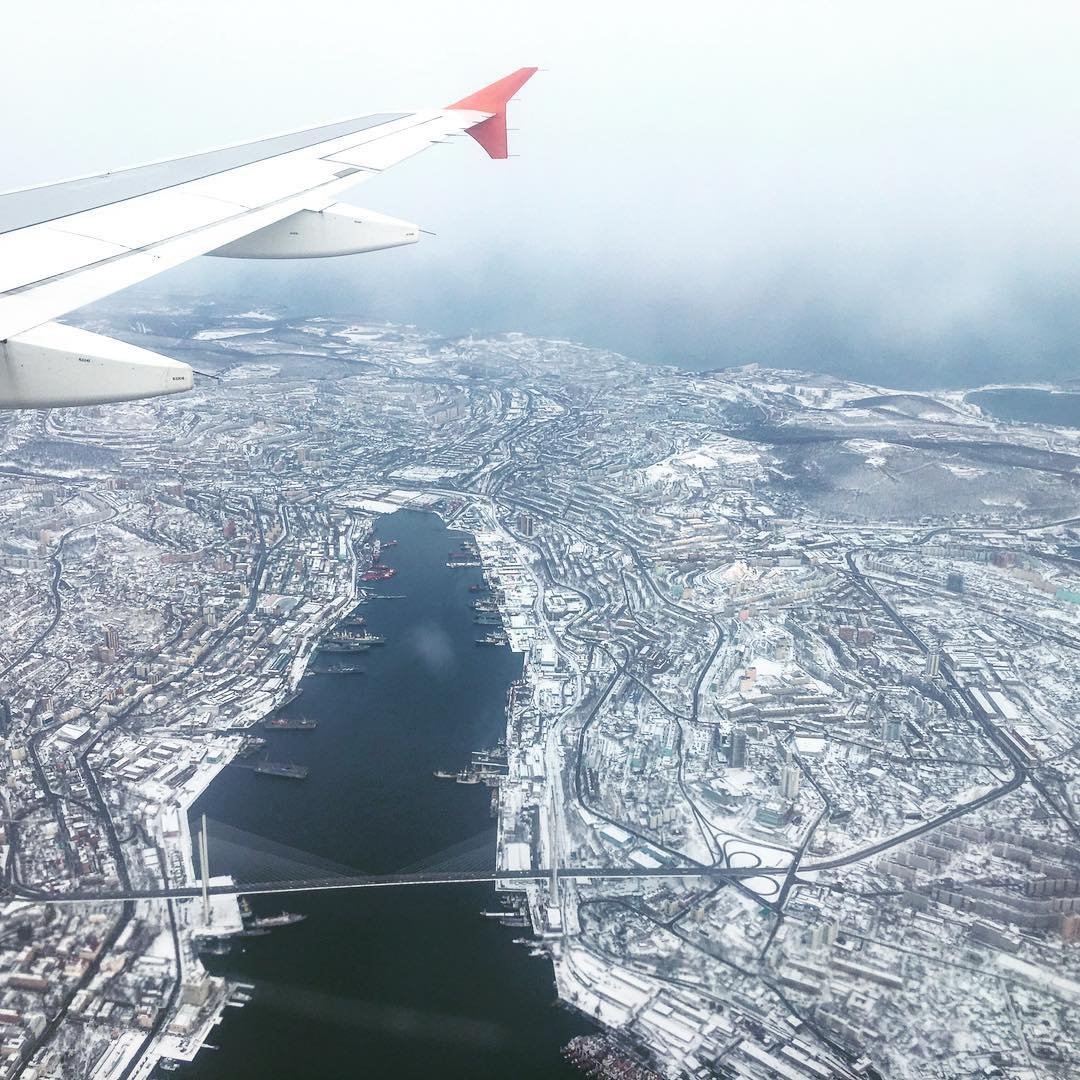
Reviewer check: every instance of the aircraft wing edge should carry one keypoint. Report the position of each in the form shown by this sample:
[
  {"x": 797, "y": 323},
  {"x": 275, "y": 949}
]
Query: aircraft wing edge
[{"x": 280, "y": 205}]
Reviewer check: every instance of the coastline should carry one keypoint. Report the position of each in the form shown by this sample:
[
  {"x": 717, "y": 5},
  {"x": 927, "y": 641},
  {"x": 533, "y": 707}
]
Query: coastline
[{"x": 177, "y": 845}]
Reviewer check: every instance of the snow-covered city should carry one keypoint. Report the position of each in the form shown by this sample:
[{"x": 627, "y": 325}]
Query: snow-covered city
[{"x": 788, "y": 786}]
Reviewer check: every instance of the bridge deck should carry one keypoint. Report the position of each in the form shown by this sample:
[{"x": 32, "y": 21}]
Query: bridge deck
[{"x": 375, "y": 881}]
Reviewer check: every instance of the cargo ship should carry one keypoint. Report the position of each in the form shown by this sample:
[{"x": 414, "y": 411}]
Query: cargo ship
[{"x": 290, "y": 723}]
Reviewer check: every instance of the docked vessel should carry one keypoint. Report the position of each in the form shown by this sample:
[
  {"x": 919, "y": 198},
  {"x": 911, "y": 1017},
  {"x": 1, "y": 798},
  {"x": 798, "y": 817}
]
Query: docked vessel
[
  {"x": 213, "y": 946},
  {"x": 466, "y": 555},
  {"x": 351, "y": 638},
  {"x": 378, "y": 573},
  {"x": 487, "y": 618},
  {"x": 600, "y": 1057},
  {"x": 290, "y": 723},
  {"x": 493, "y": 639},
  {"x": 271, "y": 922},
  {"x": 343, "y": 645},
  {"x": 462, "y": 776},
  {"x": 280, "y": 768}
]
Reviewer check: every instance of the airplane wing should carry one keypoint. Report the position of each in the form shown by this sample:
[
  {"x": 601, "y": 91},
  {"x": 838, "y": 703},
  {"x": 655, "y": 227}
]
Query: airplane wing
[{"x": 64, "y": 245}]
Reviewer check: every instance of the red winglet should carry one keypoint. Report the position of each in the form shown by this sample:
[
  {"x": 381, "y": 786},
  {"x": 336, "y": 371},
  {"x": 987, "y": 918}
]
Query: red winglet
[{"x": 491, "y": 133}]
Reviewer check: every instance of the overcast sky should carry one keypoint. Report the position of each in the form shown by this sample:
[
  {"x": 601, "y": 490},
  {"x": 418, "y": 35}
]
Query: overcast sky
[{"x": 864, "y": 187}]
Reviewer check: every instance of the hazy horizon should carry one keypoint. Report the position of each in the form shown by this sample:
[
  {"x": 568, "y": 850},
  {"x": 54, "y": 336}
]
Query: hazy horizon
[{"x": 883, "y": 194}]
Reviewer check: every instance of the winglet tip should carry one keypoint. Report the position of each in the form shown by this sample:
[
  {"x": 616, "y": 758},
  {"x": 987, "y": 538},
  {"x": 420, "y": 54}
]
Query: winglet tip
[
  {"x": 491, "y": 133},
  {"x": 493, "y": 98}
]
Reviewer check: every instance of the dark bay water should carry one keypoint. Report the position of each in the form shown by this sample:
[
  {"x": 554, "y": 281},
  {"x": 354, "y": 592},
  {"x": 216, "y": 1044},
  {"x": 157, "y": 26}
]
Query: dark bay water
[
  {"x": 1030, "y": 406},
  {"x": 386, "y": 982}
]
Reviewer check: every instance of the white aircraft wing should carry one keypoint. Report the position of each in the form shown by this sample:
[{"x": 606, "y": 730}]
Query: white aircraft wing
[{"x": 64, "y": 245}]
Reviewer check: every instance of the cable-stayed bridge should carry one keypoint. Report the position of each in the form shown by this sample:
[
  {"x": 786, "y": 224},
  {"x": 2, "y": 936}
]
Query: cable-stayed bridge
[
  {"x": 370, "y": 881},
  {"x": 256, "y": 865}
]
